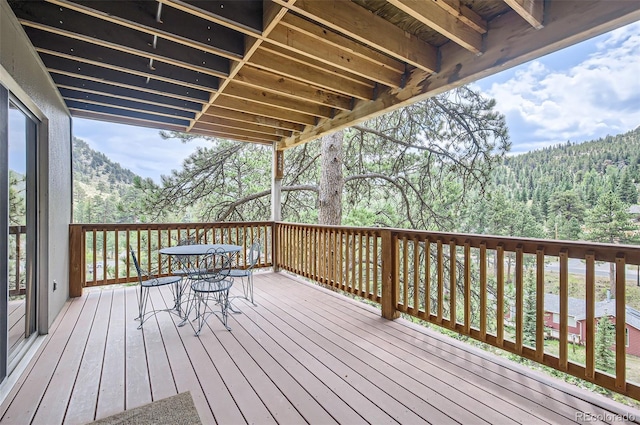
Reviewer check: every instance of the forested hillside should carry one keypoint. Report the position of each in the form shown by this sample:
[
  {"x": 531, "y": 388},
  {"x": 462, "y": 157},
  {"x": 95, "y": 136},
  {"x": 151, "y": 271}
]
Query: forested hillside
[
  {"x": 559, "y": 190},
  {"x": 100, "y": 186}
]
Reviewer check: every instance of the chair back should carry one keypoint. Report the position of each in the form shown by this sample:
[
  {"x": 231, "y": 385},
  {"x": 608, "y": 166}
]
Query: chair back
[
  {"x": 215, "y": 266},
  {"x": 136, "y": 264},
  {"x": 254, "y": 255}
]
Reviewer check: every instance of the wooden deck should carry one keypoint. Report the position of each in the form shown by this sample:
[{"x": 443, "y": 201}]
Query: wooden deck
[{"x": 303, "y": 355}]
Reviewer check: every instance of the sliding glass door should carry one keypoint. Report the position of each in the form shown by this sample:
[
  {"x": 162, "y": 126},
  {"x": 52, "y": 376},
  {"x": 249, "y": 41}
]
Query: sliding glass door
[{"x": 18, "y": 171}]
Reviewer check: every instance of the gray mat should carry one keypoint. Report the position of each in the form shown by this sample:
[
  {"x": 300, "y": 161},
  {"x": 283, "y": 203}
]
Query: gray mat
[{"x": 178, "y": 409}]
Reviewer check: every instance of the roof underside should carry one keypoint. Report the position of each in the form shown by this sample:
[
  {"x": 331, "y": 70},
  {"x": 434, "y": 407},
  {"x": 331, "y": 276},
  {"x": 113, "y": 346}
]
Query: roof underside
[{"x": 289, "y": 71}]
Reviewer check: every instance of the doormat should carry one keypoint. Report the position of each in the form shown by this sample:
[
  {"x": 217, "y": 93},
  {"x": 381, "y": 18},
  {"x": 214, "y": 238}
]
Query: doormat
[{"x": 178, "y": 409}]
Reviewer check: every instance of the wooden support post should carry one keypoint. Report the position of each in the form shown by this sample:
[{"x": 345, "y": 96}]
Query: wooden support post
[
  {"x": 389, "y": 276},
  {"x": 76, "y": 260},
  {"x": 276, "y": 203}
]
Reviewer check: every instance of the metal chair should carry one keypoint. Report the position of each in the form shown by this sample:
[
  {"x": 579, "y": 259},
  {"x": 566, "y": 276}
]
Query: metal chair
[
  {"x": 210, "y": 284},
  {"x": 147, "y": 281},
  {"x": 246, "y": 272}
]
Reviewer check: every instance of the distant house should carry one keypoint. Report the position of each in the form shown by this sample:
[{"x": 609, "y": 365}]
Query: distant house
[
  {"x": 634, "y": 211},
  {"x": 578, "y": 317}
]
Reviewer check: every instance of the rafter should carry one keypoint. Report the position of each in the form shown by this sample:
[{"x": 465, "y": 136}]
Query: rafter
[
  {"x": 246, "y": 105},
  {"x": 236, "y": 136},
  {"x": 215, "y": 112},
  {"x": 531, "y": 10},
  {"x": 94, "y": 87},
  {"x": 464, "y": 14},
  {"x": 568, "y": 21},
  {"x": 285, "y": 66},
  {"x": 360, "y": 24},
  {"x": 91, "y": 72},
  {"x": 232, "y": 125},
  {"x": 434, "y": 16},
  {"x": 100, "y": 116},
  {"x": 129, "y": 105},
  {"x": 139, "y": 47},
  {"x": 111, "y": 110},
  {"x": 186, "y": 29},
  {"x": 274, "y": 83},
  {"x": 275, "y": 100},
  {"x": 312, "y": 47},
  {"x": 75, "y": 50}
]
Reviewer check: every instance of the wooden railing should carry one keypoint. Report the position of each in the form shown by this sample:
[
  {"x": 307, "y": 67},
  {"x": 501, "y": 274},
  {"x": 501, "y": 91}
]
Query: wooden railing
[
  {"x": 488, "y": 288},
  {"x": 17, "y": 237},
  {"x": 99, "y": 253},
  {"x": 478, "y": 286}
]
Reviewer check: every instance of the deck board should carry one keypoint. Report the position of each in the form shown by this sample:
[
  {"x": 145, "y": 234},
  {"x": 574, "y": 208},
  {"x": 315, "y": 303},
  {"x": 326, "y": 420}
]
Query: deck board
[
  {"x": 84, "y": 398},
  {"x": 303, "y": 355},
  {"x": 111, "y": 394},
  {"x": 419, "y": 370}
]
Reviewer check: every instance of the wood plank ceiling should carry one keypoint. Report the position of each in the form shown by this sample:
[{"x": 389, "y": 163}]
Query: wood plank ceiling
[{"x": 288, "y": 71}]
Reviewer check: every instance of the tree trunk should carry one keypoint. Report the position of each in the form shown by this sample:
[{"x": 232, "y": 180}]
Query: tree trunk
[
  {"x": 612, "y": 279},
  {"x": 331, "y": 180}
]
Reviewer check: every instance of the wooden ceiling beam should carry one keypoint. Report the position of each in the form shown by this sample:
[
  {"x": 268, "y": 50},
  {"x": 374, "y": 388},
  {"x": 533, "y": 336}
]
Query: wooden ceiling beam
[
  {"x": 358, "y": 23},
  {"x": 292, "y": 56},
  {"x": 128, "y": 105},
  {"x": 75, "y": 50},
  {"x": 272, "y": 14},
  {"x": 434, "y": 16},
  {"x": 309, "y": 46},
  {"x": 567, "y": 22},
  {"x": 285, "y": 66},
  {"x": 531, "y": 10},
  {"x": 214, "y": 123},
  {"x": 215, "y": 112},
  {"x": 276, "y": 101},
  {"x": 231, "y": 132},
  {"x": 67, "y": 82},
  {"x": 109, "y": 76},
  {"x": 112, "y": 110},
  {"x": 251, "y": 107},
  {"x": 235, "y": 136},
  {"x": 186, "y": 29},
  {"x": 340, "y": 42},
  {"x": 278, "y": 84},
  {"x": 197, "y": 61},
  {"x": 205, "y": 10},
  {"x": 464, "y": 14},
  {"x": 100, "y": 116}
]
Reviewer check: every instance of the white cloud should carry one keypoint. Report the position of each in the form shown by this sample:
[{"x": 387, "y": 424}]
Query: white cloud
[
  {"x": 139, "y": 149},
  {"x": 598, "y": 96}
]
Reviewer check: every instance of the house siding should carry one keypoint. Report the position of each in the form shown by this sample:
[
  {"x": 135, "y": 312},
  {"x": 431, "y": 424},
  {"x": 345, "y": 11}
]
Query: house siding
[{"x": 22, "y": 72}]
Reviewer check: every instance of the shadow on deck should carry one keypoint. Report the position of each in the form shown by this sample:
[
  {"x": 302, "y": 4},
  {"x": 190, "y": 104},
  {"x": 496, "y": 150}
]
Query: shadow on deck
[{"x": 303, "y": 355}]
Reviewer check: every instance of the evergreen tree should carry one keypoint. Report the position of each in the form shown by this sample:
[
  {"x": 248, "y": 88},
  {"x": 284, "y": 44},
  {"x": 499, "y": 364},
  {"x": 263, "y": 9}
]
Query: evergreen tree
[
  {"x": 529, "y": 318},
  {"x": 605, "y": 337},
  {"x": 610, "y": 222},
  {"x": 627, "y": 191}
]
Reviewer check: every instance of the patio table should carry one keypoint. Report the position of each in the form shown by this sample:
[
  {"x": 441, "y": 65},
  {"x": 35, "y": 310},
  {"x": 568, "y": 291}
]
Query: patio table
[{"x": 184, "y": 254}]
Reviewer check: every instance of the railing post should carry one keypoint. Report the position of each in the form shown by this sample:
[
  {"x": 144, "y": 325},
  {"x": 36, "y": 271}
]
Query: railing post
[
  {"x": 76, "y": 260},
  {"x": 389, "y": 298},
  {"x": 275, "y": 243}
]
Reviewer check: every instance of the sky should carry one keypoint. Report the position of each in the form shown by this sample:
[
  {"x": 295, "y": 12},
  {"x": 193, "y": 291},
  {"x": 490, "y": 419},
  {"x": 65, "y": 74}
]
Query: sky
[{"x": 577, "y": 94}]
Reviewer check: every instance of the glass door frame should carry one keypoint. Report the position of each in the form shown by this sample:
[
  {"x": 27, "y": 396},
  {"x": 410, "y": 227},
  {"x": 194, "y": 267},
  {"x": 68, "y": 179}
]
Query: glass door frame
[{"x": 8, "y": 361}]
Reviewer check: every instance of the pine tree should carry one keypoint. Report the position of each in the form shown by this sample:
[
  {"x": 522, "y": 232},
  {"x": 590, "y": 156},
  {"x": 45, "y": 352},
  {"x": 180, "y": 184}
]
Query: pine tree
[
  {"x": 609, "y": 222},
  {"x": 605, "y": 336},
  {"x": 529, "y": 319},
  {"x": 627, "y": 191}
]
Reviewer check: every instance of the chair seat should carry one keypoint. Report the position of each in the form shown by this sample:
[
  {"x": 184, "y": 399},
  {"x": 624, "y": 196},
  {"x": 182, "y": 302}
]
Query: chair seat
[
  {"x": 188, "y": 272},
  {"x": 236, "y": 273},
  {"x": 161, "y": 281},
  {"x": 211, "y": 286}
]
